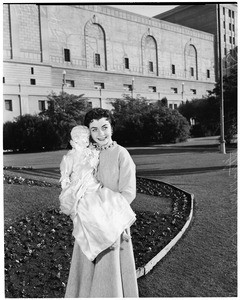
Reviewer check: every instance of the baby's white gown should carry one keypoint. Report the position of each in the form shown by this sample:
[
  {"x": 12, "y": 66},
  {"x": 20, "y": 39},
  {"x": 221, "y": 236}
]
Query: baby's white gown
[{"x": 99, "y": 214}]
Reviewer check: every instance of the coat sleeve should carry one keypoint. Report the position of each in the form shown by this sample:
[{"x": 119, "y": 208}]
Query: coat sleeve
[{"x": 127, "y": 176}]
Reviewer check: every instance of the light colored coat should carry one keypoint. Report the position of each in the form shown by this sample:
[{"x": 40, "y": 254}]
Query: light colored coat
[{"x": 112, "y": 273}]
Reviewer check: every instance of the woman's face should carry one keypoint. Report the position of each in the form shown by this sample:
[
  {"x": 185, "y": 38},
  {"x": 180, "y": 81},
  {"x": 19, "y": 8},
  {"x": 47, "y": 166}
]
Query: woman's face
[{"x": 101, "y": 131}]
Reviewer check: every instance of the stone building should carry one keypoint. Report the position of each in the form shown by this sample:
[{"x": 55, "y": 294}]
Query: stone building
[
  {"x": 205, "y": 17},
  {"x": 101, "y": 52}
]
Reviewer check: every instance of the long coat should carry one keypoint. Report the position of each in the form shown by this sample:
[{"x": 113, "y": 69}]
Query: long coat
[{"x": 112, "y": 273}]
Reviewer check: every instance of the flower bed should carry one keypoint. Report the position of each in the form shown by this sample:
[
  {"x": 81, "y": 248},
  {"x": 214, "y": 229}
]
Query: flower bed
[{"x": 38, "y": 247}]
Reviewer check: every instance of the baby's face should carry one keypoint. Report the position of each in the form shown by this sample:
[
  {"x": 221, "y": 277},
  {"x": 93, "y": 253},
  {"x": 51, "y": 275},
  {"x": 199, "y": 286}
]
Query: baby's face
[{"x": 83, "y": 141}]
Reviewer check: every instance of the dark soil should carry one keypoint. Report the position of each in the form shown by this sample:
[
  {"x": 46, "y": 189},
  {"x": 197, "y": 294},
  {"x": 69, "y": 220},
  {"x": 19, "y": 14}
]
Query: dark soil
[{"x": 38, "y": 247}]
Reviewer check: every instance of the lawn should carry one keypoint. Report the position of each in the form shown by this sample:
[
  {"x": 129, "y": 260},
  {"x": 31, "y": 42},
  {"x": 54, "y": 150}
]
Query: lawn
[
  {"x": 204, "y": 262},
  {"x": 38, "y": 237},
  {"x": 20, "y": 200}
]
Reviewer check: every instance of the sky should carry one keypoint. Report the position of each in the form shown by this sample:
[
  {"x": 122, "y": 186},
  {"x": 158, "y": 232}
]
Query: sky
[{"x": 145, "y": 10}]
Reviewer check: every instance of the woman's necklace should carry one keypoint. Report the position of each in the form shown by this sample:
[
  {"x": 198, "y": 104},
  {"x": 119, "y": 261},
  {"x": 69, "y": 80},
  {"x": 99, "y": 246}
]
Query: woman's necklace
[{"x": 104, "y": 147}]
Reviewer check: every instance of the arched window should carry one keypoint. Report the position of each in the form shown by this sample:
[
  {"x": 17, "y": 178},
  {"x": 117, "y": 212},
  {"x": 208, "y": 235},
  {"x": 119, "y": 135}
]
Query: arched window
[
  {"x": 150, "y": 59},
  {"x": 191, "y": 66},
  {"x": 95, "y": 46}
]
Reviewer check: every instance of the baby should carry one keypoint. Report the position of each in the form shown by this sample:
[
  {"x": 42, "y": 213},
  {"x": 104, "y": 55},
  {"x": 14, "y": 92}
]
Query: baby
[{"x": 99, "y": 214}]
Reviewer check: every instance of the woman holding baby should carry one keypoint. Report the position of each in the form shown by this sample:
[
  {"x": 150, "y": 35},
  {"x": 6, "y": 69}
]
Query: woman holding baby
[{"x": 112, "y": 273}]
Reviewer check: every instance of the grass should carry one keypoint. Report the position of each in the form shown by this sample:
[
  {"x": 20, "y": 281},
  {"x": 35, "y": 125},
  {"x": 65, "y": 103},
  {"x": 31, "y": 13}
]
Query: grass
[
  {"x": 39, "y": 238},
  {"x": 204, "y": 262},
  {"x": 20, "y": 200}
]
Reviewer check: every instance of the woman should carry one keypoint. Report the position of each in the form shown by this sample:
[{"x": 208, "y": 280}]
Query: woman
[
  {"x": 112, "y": 273},
  {"x": 99, "y": 214}
]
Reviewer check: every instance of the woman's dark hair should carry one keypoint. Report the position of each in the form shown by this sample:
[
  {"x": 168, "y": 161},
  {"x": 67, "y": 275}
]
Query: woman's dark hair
[{"x": 97, "y": 114}]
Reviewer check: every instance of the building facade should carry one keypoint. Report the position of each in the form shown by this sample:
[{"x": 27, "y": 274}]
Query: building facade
[
  {"x": 205, "y": 17},
  {"x": 101, "y": 52}
]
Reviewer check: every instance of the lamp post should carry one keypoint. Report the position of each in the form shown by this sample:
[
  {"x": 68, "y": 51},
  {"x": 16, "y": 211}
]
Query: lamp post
[
  {"x": 20, "y": 101},
  {"x": 63, "y": 80},
  {"x": 222, "y": 140},
  {"x": 100, "y": 92},
  {"x": 132, "y": 86},
  {"x": 182, "y": 90}
]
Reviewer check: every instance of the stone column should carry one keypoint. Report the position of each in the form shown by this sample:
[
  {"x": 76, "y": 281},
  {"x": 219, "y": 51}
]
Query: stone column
[
  {"x": 43, "y": 20},
  {"x": 14, "y": 27}
]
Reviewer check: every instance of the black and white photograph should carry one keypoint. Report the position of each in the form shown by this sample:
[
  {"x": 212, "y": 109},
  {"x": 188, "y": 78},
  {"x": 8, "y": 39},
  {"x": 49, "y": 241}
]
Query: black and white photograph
[{"x": 119, "y": 139}]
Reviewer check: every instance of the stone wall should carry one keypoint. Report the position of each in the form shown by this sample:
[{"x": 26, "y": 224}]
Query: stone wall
[{"x": 37, "y": 38}]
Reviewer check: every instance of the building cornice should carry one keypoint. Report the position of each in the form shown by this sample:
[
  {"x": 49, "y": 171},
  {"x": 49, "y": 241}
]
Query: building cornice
[{"x": 151, "y": 22}]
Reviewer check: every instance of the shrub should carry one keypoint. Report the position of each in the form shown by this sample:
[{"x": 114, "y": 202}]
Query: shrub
[
  {"x": 206, "y": 114},
  {"x": 175, "y": 127},
  {"x": 10, "y": 136},
  {"x": 206, "y": 111},
  {"x": 65, "y": 111},
  {"x": 230, "y": 131},
  {"x": 30, "y": 133},
  {"x": 141, "y": 122},
  {"x": 50, "y": 130}
]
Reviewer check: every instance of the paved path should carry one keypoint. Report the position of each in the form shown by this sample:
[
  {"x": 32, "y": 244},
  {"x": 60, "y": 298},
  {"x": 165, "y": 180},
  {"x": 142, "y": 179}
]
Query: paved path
[{"x": 203, "y": 263}]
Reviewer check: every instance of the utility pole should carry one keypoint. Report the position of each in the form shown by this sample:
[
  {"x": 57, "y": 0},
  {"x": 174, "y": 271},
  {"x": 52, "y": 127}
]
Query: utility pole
[
  {"x": 132, "y": 86},
  {"x": 222, "y": 140}
]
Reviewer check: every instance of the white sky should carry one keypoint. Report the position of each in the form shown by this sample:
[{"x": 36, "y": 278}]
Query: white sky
[
  {"x": 145, "y": 10},
  {"x": 153, "y": 8}
]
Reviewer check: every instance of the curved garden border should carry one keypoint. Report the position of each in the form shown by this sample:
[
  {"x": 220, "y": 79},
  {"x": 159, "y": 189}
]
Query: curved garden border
[
  {"x": 141, "y": 271},
  {"x": 177, "y": 195}
]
